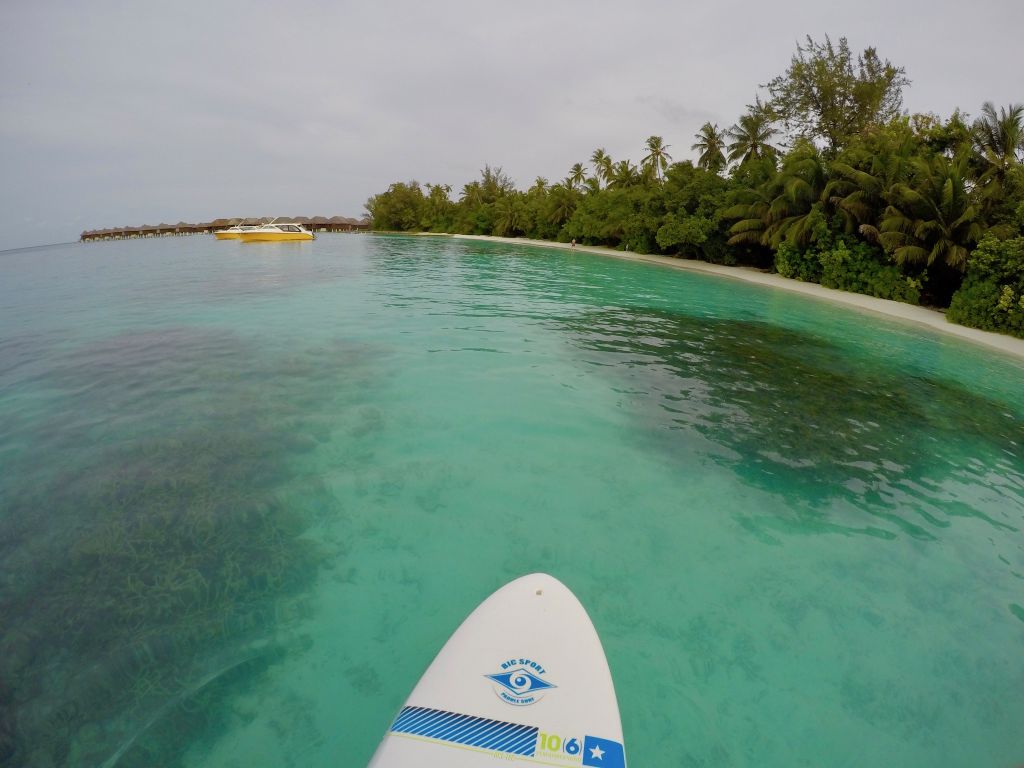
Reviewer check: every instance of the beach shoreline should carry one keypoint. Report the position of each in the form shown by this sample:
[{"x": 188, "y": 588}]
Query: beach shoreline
[{"x": 922, "y": 316}]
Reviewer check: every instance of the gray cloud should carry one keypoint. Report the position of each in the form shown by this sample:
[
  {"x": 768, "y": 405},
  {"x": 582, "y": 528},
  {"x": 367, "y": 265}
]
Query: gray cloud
[{"x": 115, "y": 113}]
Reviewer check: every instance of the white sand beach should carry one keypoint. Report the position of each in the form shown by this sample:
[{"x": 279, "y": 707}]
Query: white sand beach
[{"x": 931, "y": 318}]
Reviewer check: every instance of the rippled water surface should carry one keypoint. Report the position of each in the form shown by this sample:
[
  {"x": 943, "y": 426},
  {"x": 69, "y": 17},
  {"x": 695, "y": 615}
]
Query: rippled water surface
[{"x": 247, "y": 491}]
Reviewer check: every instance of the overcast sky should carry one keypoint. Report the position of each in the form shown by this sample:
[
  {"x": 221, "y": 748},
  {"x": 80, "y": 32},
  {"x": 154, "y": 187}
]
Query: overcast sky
[{"x": 115, "y": 113}]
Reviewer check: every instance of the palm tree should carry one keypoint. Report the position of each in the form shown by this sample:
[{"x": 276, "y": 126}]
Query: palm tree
[
  {"x": 508, "y": 217},
  {"x": 932, "y": 216},
  {"x": 438, "y": 204},
  {"x": 439, "y": 192},
  {"x": 561, "y": 204},
  {"x": 750, "y": 207},
  {"x": 863, "y": 178},
  {"x": 472, "y": 194},
  {"x": 624, "y": 174},
  {"x": 711, "y": 145},
  {"x": 1000, "y": 138},
  {"x": 788, "y": 207},
  {"x": 751, "y": 137},
  {"x": 540, "y": 186},
  {"x": 657, "y": 156},
  {"x": 999, "y": 144},
  {"x": 577, "y": 175},
  {"x": 602, "y": 163}
]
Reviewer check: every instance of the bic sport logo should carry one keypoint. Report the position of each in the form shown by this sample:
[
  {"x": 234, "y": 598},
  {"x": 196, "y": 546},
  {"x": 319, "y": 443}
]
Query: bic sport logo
[{"x": 519, "y": 683}]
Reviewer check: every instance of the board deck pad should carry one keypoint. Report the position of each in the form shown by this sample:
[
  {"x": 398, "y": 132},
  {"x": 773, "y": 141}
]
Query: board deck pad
[{"x": 523, "y": 681}]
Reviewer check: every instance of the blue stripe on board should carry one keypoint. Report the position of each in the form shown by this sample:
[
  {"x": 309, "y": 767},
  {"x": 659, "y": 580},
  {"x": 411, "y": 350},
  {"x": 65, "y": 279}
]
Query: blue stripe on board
[{"x": 468, "y": 730}]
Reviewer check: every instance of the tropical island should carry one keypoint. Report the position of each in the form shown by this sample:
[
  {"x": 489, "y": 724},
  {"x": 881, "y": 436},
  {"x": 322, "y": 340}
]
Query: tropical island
[{"x": 826, "y": 180}]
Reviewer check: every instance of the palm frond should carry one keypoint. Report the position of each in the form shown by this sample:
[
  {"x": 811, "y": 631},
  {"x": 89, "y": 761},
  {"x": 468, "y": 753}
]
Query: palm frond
[
  {"x": 870, "y": 233},
  {"x": 747, "y": 225},
  {"x": 746, "y": 238},
  {"x": 910, "y": 253}
]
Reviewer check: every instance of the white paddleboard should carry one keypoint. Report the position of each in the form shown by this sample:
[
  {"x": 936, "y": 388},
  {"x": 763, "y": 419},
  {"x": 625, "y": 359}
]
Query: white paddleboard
[{"x": 523, "y": 681}]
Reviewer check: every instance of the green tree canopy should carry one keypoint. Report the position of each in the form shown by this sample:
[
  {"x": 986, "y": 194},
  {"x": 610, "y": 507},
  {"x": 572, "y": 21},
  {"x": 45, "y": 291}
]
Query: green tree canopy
[
  {"x": 692, "y": 226},
  {"x": 864, "y": 174},
  {"x": 624, "y": 174},
  {"x": 401, "y": 208},
  {"x": 495, "y": 183},
  {"x": 788, "y": 208},
  {"x": 510, "y": 216},
  {"x": 438, "y": 209},
  {"x": 931, "y": 217},
  {"x": 827, "y": 95},
  {"x": 992, "y": 296},
  {"x": 561, "y": 204},
  {"x": 949, "y": 138}
]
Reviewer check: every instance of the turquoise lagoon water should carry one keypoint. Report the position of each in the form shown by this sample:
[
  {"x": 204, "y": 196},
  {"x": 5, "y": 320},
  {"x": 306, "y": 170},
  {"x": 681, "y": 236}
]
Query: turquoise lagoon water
[{"x": 247, "y": 492}]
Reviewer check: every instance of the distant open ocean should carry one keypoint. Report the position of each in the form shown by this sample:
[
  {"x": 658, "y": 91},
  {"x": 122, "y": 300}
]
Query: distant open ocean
[{"x": 247, "y": 491}]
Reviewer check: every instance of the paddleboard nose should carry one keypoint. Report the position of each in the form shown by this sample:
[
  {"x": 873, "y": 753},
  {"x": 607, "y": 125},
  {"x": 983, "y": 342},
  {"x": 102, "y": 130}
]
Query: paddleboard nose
[{"x": 524, "y": 678}]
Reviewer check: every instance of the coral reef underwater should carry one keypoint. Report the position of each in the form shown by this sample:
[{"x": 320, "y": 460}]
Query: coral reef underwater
[{"x": 155, "y": 540}]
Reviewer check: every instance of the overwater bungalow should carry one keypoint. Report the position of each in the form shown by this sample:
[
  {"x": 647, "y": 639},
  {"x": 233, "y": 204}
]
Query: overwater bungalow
[{"x": 314, "y": 223}]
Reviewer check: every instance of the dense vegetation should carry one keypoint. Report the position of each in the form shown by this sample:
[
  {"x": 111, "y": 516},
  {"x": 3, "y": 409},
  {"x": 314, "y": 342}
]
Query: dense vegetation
[{"x": 827, "y": 180}]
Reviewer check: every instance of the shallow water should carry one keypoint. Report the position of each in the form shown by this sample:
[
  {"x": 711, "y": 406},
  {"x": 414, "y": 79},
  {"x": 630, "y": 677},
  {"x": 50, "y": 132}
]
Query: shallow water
[{"x": 247, "y": 491}]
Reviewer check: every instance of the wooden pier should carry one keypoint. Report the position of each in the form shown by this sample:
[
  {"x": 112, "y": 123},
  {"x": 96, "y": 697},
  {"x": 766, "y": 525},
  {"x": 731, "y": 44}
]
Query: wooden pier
[{"x": 314, "y": 224}]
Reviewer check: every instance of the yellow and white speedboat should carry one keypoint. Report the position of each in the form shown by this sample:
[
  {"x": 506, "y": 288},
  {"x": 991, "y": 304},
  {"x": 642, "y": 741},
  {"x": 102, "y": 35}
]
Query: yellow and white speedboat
[{"x": 275, "y": 231}]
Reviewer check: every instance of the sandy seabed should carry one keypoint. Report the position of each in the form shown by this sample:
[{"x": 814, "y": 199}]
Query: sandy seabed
[{"x": 931, "y": 318}]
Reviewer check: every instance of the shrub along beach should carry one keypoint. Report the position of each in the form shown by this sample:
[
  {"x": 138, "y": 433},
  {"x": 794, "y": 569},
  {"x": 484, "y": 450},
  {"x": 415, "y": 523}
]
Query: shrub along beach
[{"x": 827, "y": 180}]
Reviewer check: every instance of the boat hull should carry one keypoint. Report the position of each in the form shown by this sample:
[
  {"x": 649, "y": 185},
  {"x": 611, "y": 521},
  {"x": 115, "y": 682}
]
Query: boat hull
[
  {"x": 264, "y": 237},
  {"x": 226, "y": 235}
]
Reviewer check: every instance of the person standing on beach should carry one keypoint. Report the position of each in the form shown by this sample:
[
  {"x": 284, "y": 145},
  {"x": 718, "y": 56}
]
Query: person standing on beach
[{"x": 573, "y": 243}]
